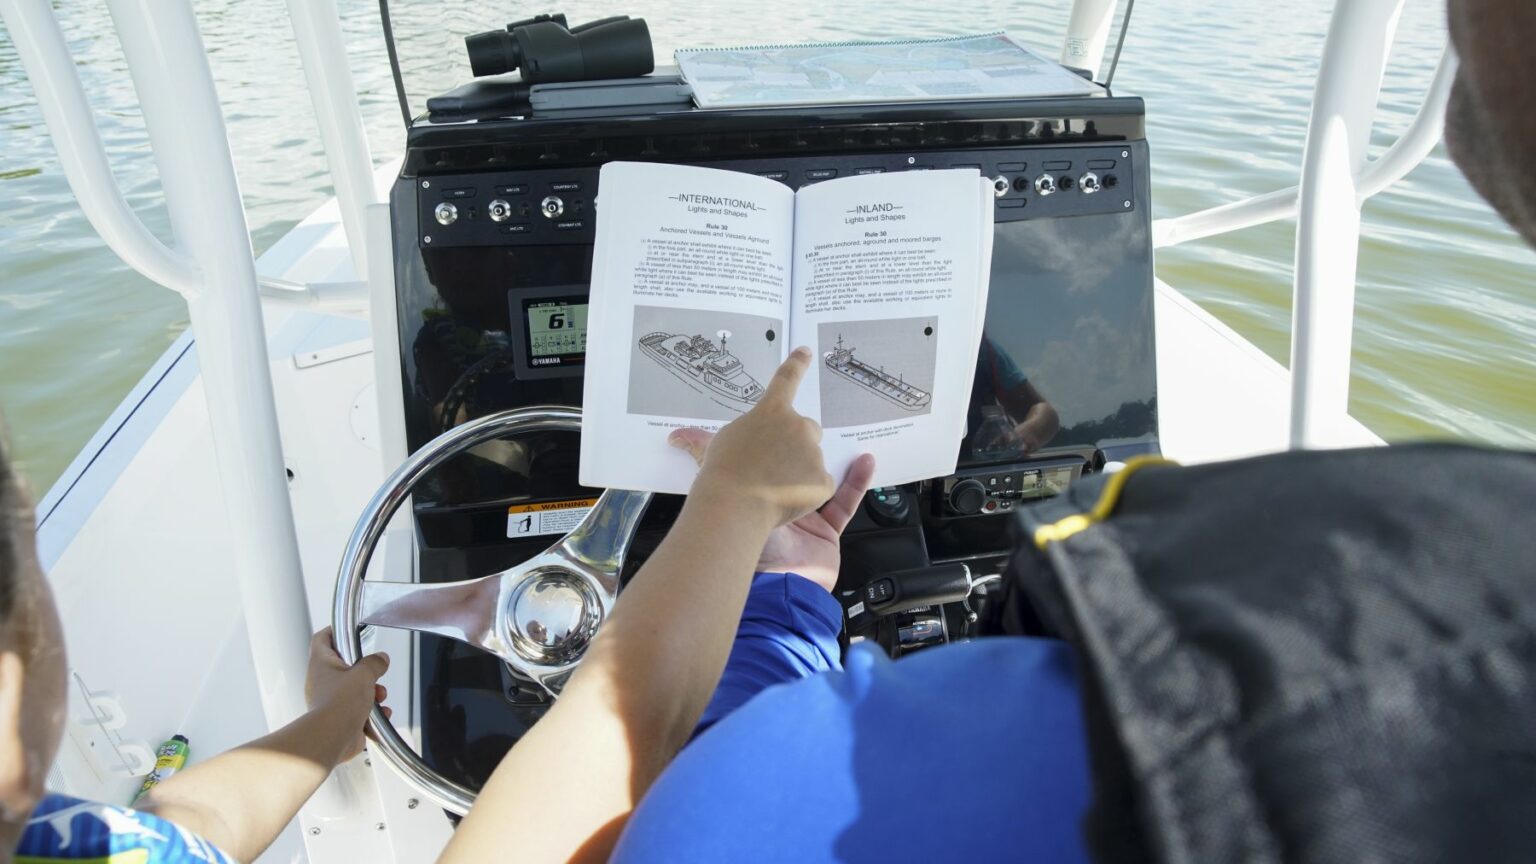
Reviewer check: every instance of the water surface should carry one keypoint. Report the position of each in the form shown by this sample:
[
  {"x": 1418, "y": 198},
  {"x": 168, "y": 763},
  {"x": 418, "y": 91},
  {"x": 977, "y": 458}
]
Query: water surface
[{"x": 1445, "y": 334}]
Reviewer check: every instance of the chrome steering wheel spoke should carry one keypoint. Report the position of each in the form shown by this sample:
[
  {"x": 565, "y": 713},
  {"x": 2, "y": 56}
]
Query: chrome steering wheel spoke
[
  {"x": 597, "y": 545},
  {"x": 465, "y": 611},
  {"x": 538, "y": 616}
]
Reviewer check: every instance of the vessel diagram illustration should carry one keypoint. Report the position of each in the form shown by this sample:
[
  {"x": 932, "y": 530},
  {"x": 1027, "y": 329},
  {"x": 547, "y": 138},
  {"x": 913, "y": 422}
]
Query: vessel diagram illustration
[
  {"x": 706, "y": 367},
  {"x": 892, "y": 388}
]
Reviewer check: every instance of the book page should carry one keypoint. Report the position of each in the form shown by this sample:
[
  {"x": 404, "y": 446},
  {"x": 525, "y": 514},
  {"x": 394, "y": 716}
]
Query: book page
[
  {"x": 890, "y": 279},
  {"x": 687, "y": 316}
]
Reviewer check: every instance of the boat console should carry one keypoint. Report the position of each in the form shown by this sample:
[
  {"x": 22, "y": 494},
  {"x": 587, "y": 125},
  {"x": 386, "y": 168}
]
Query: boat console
[{"x": 493, "y": 225}]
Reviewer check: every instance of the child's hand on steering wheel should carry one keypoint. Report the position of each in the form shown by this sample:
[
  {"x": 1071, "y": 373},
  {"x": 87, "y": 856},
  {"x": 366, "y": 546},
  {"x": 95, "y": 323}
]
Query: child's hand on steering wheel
[{"x": 774, "y": 453}]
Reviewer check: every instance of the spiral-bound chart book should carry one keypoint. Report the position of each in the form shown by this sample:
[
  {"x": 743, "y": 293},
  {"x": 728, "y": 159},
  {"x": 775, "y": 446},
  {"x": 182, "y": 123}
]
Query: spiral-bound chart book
[{"x": 988, "y": 66}]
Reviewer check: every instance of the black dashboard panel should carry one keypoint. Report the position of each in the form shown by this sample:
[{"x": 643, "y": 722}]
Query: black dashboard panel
[
  {"x": 555, "y": 206},
  {"x": 1068, "y": 326}
]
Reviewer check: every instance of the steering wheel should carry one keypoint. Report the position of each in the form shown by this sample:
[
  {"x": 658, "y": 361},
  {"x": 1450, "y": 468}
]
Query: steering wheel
[{"x": 538, "y": 616}]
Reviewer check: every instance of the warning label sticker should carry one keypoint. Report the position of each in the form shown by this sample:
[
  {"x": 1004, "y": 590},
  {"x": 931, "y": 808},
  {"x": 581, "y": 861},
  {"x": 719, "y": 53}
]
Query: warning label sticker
[{"x": 549, "y": 517}]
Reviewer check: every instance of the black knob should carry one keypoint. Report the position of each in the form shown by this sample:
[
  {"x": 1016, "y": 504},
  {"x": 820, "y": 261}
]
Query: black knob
[{"x": 967, "y": 497}]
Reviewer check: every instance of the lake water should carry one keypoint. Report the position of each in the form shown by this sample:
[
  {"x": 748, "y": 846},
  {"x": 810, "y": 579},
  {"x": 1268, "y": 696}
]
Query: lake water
[{"x": 1445, "y": 335}]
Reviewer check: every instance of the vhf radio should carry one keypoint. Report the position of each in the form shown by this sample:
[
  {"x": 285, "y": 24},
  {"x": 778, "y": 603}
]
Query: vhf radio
[{"x": 998, "y": 491}]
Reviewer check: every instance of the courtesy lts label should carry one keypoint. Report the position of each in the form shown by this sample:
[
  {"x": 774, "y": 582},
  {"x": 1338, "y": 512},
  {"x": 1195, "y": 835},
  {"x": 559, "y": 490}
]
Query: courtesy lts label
[{"x": 549, "y": 517}]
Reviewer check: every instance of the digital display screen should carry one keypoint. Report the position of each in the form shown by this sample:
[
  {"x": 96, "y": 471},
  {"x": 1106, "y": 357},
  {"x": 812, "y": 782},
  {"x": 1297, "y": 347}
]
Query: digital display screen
[
  {"x": 1046, "y": 483},
  {"x": 548, "y": 330},
  {"x": 556, "y": 329}
]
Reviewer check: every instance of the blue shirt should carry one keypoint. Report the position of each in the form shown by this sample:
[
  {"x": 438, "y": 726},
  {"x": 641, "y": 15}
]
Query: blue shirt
[
  {"x": 69, "y": 829},
  {"x": 969, "y": 752},
  {"x": 996, "y": 371}
]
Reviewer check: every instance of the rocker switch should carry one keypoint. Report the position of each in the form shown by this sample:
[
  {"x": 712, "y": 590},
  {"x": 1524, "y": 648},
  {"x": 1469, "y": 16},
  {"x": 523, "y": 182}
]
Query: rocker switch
[
  {"x": 880, "y": 591},
  {"x": 906, "y": 590}
]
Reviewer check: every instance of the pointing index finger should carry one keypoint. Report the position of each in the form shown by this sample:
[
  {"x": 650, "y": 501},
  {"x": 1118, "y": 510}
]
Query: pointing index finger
[{"x": 787, "y": 380}]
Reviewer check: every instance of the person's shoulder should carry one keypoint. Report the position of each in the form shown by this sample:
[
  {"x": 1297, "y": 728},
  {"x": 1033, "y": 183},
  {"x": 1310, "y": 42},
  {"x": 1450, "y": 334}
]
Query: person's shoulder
[
  {"x": 966, "y": 666},
  {"x": 835, "y": 767},
  {"x": 986, "y": 677},
  {"x": 63, "y": 828}
]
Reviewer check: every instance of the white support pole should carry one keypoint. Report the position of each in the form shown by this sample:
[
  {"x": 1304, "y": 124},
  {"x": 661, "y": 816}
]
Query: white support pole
[
  {"x": 45, "y": 57},
  {"x": 1087, "y": 34},
  {"x": 1328, "y": 210},
  {"x": 317, "y": 28},
  {"x": 170, "y": 72}
]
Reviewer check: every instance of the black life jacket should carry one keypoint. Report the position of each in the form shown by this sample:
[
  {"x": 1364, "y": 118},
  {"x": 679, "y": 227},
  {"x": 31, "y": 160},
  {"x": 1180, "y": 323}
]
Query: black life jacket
[{"x": 1320, "y": 657}]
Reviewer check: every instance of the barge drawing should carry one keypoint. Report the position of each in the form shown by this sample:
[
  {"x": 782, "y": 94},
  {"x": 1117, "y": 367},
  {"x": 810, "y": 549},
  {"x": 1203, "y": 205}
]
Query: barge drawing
[
  {"x": 889, "y": 387},
  {"x": 704, "y": 366}
]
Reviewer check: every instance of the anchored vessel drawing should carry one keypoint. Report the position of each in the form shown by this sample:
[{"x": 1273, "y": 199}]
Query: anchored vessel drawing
[
  {"x": 877, "y": 381},
  {"x": 704, "y": 366}
]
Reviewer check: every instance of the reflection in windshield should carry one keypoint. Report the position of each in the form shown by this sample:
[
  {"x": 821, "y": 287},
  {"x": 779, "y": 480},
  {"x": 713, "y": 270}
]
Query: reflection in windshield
[{"x": 1010, "y": 417}]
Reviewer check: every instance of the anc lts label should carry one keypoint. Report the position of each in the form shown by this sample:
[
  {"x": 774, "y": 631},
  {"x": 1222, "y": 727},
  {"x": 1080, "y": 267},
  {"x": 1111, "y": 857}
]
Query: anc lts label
[{"x": 549, "y": 517}]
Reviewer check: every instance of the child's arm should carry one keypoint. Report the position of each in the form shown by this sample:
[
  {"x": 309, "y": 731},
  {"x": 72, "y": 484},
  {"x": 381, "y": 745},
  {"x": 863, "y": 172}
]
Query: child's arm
[{"x": 241, "y": 800}]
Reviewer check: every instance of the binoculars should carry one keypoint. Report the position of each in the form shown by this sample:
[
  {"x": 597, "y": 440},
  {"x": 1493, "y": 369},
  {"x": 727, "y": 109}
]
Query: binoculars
[{"x": 546, "y": 50}]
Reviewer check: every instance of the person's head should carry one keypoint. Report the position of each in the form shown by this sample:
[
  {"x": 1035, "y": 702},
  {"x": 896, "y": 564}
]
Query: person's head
[
  {"x": 1491, "y": 120},
  {"x": 32, "y": 668}
]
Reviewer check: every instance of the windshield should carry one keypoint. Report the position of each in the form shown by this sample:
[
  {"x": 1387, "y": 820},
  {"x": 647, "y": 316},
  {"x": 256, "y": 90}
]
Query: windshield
[{"x": 429, "y": 34}]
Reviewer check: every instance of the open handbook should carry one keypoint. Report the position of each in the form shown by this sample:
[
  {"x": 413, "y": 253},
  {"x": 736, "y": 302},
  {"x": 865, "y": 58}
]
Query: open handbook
[{"x": 704, "y": 280}]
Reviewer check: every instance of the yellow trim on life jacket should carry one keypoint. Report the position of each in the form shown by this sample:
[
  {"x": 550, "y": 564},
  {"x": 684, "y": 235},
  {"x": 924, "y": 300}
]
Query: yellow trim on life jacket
[{"x": 1063, "y": 528}]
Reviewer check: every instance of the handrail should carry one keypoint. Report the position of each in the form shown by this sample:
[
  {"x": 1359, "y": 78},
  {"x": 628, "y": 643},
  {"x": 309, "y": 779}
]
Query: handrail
[
  {"x": 317, "y": 30},
  {"x": 1419, "y": 139},
  {"x": 45, "y": 57},
  {"x": 1412, "y": 147},
  {"x": 347, "y": 298}
]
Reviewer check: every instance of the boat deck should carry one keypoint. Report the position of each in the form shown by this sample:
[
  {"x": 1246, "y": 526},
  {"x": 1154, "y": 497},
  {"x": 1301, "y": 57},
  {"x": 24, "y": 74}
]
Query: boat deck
[{"x": 145, "y": 490}]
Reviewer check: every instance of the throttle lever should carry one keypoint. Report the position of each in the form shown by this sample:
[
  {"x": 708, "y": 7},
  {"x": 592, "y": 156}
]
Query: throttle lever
[{"x": 904, "y": 590}]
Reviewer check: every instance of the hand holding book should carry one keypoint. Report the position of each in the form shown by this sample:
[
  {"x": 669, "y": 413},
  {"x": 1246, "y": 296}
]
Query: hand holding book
[
  {"x": 769, "y": 457},
  {"x": 772, "y": 454}
]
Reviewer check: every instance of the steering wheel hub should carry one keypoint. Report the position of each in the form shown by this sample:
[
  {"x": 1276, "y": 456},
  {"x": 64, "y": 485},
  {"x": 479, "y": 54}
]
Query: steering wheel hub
[
  {"x": 538, "y": 616},
  {"x": 552, "y": 616}
]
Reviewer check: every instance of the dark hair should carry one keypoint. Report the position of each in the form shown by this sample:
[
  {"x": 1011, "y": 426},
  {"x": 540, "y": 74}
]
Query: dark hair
[{"x": 12, "y": 502}]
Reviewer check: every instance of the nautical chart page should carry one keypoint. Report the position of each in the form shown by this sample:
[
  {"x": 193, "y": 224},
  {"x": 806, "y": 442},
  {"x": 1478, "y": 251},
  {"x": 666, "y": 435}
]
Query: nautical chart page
[
  {"x": 687, "y": 317},
  {"x": 890, "y": 279}
]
